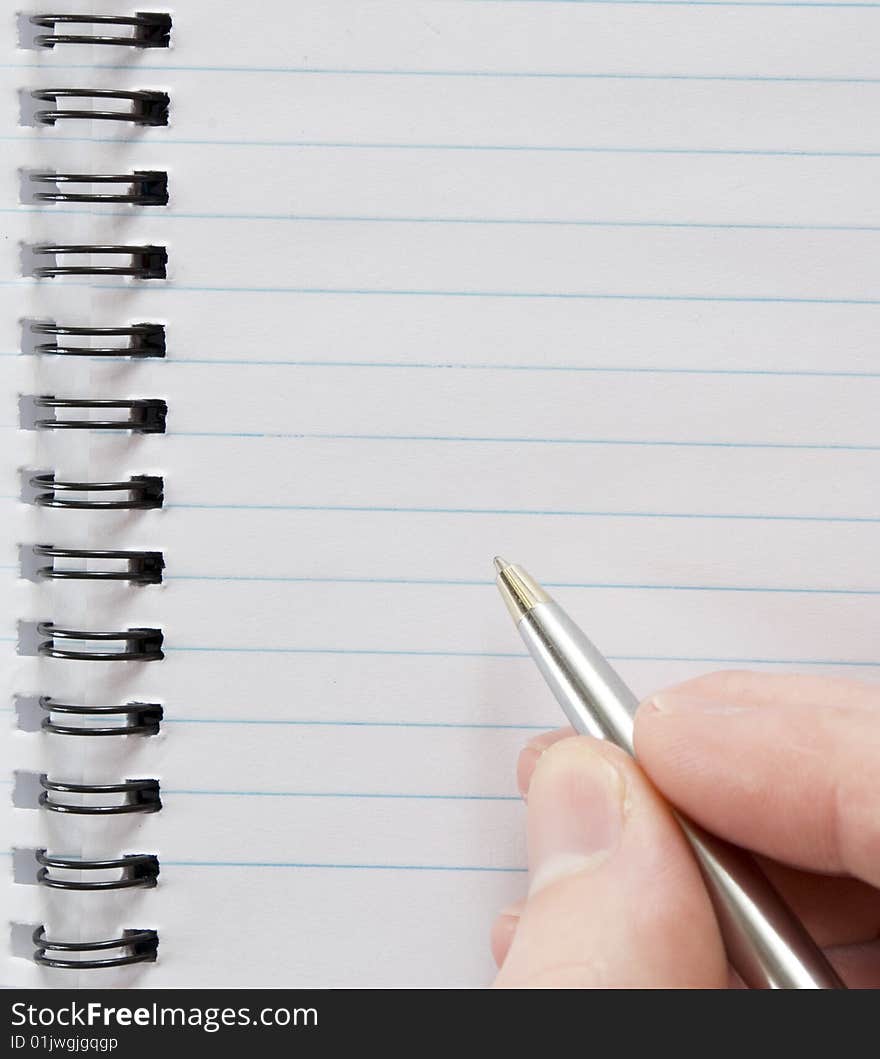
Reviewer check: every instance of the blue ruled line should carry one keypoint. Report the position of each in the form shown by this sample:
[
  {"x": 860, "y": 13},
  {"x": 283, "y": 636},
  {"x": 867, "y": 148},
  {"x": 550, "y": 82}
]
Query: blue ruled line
[
  {"x": 466, "y": 221},
  {"x": 388, "y": 652},
  {"x": 515, "y": 512},
  {"x": 338, "y": 866},
  {"x": 285, "y": 723},
  {"x": 525, "y": 512},
  {"x": 320, "y": 865},
  {"x": 356, "y": 796},
  {"x": 451, "y": 582},
  {"x": 169, "y": 141},
  {"x": 599, "y": 369},
  {"x": 355, "y": 651},
  {"x": 485, "y": 440},
  {"x": 171, "y": 288},
  {"x": 552, "y": 75},
  {"x": 538, "y": 295},
  {"x": 693, "y": 3},
  {"x": 365, "y": 292},
  {"x": 485, "y": 583},
  {"x": 315, "y": 723},
  {"x": 414, "y": 653}
]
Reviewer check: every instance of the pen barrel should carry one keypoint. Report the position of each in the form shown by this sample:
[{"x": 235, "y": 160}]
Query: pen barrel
[
  {"x": 766, "y": 943},
  {"x": 593, "y": 697}
]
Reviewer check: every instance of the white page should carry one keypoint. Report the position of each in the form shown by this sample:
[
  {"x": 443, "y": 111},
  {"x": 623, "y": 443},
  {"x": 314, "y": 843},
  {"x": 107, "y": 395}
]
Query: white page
[{"x": 594, "y": 286}]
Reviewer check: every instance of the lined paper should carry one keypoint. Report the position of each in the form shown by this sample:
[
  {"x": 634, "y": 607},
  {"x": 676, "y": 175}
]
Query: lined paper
[{"x": 593, "y": 285}]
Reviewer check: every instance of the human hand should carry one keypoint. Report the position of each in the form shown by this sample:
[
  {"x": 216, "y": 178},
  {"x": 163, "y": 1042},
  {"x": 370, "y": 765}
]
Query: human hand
[{"x": 787, "y": 766}]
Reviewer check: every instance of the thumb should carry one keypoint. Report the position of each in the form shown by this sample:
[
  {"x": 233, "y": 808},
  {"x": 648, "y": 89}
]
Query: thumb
[{"x": 615, "y": 897}]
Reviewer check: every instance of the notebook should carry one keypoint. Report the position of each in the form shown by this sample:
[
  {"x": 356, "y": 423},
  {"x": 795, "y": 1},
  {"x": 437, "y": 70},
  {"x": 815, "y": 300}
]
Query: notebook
[{"x": 592, "y": 285}]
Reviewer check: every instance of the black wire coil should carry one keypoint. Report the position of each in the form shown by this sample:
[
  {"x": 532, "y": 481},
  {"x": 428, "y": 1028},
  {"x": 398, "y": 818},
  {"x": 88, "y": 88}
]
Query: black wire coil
[
  {"x": 146, "y": 414},
  {"x": 151, "y": 30},
  {"x": 144, "y": 340},
  {"x": 147, "y": 187},
  {"x": 137, "y": 871},
  {"x": 141, "y": 796},
  {"x": 141, "y": 718},
  {"x": 140, "y": 645},
  {"x": 141, "y": 568},
  {"x": 141, "y": 946},
  {"x": 147, "y": 107},
  {"x": 142, "y": 492},
  {"x": 140, "y": 188},
  {"x": 146, "y": 262}
]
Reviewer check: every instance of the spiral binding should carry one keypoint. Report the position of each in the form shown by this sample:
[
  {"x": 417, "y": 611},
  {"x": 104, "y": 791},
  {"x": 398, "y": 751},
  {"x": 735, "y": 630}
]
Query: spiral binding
[
  {"x": 145, "y": 415},
  {"x": 140, "y": 796},
  {"x": 137, "y": 871},
  {"x": 140, "y": 718},
  {"x": 147, "y": 107},
  {"x": 147, "y": 262},
  {"x": 140, "y": 188},
  {"x": 138, "y": 645},
  {"x": 141, "y": 492},
  {"x": 140, "y": 946},
  {"x": 147, "y": 187},
  {"x": 150, "y": 30},
  {"x": 144, "y": 340},
  {"x": 142, "y": 568}
]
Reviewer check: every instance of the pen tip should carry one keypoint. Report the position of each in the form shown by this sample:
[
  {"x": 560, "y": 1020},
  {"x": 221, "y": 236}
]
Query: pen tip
[{"x": 518, "y": 589}]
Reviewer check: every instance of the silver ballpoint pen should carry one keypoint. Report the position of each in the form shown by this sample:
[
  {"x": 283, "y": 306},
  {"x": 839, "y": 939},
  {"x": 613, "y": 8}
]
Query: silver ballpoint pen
[{"x": 766, "y": 943}]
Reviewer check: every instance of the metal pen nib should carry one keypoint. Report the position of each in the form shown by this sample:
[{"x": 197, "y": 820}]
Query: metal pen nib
[
  {"x": 519, "y": 592},
  {"x": 766, "y": 943}
]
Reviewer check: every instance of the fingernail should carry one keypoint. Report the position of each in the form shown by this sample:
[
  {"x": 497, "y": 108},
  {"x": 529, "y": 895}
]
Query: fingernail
[
  {"x": 679, "y": 702},
  {"x": 503, "y": 931},
  {"x": 576, "y": 812},
  {"x": 513, "y": 911},
  {"x": 529, "y": 756},
  {"x": 525, "y": 767}
]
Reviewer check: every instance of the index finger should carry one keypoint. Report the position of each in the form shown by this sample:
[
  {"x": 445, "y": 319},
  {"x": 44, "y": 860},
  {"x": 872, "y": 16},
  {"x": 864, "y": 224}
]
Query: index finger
[{"x": 788, "y": 766}]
